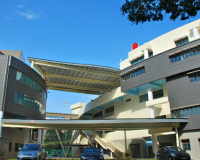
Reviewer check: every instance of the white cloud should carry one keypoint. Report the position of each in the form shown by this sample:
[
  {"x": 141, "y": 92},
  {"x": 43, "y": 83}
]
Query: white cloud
[
  {"x": 28, "y": 15},
  {"x": 9, "y": 18},
  {"x": 20, "y": 6}
]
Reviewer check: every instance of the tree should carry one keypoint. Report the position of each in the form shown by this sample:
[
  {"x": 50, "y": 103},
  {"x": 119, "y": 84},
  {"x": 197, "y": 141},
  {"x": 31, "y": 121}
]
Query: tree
[
  {"x": 140, "y": 11},
  {"x": 51, "y": 135}
]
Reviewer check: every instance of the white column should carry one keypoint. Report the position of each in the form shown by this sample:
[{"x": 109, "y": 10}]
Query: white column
[
  {"x": 1, "y": 116},
  {"x": 195, "y": 33},
  {"x": 146, "y": 54},
  {"x": 154, "y": 143},
  {"x": 150, "y": 97},
  {"x": 177, "y": 138},
  {"x": 39, "y": 141},
  {"x": 111, "y": 154},
  {"x": 26, "y": 136},
  {"x": 32, "y": 64}
]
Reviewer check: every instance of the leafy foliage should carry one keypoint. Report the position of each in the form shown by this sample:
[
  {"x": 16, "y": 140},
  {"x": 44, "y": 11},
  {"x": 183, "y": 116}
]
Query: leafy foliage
[
  {"x": 51, "y": 135},
  {"x": 53, "y": 145},
  {"x": 140, "y": 11}
]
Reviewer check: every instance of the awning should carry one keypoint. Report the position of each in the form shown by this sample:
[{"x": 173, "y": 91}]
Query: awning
[{"x": 80, "y": 78}]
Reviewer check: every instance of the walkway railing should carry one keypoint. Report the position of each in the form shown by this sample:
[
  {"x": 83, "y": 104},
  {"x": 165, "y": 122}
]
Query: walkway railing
[{"x": 106, "y": 145}]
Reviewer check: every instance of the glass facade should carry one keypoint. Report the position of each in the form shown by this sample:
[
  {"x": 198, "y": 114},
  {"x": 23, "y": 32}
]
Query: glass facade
[
  {"x": 133, "y": 73},
  {"x": 27, "y": 80},
  {"x": 185, "y": 54},
  {"x": 186, "y": 112},
  {"x": 29, "y": 102},
  {"x": 181, "y": 41}
]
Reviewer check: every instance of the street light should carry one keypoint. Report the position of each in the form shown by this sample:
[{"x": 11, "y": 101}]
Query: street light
[{"x": 66, "y": 104}]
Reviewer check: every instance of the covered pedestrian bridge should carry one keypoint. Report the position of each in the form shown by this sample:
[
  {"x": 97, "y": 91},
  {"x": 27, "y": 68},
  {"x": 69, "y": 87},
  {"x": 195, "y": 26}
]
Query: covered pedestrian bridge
[{"x": 103, "y": 124}]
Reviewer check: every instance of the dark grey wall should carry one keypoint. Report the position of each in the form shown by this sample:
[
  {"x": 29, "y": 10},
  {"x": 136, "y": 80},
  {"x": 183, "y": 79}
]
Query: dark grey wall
[
  {"x": 3, "y": 65},
  {"x": 159, "y": 67},
  {"x": 15, "y": 85},
  {"x": 181, "y": 92}
]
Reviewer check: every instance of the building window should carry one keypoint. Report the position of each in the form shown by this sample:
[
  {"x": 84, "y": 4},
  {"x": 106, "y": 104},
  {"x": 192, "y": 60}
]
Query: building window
[
  {"x": 158, "y": 94},
  {"x": 28, "y": 101},
  {"x": 10, "y": 146},
  {"x": 109, "y": 110},
  {"x": 21, "y": 145},
  {"x": 144, "y": 98},
  {"x": 128, "y": 100},
  {"x": 181, "y": 41},
  {"x": 185, "y": 54},
  {"x": 16, "y": 147},
  {"x": 137, "y": 60},
  {"x": 135, "y": 149},
  {"x": 186, "y": 144},
  {"x": 194, "y": 77},
  {"x": 133, "y": 73},
  {"x": 98, "y": 114},
  {"x": 28, "y": 81},
  {"x": 186, "y": 112},
  {"x": 150, "y": 54}
]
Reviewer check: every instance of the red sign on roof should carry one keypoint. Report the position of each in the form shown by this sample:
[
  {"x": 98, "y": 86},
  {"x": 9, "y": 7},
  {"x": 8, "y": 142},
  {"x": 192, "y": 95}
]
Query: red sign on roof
[{"x": 134, "y": 46}]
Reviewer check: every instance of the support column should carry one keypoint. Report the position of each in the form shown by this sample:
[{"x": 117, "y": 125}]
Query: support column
[
  {"x": 150, "y": 97},
  {"x": 26, "y": 136},
  {"x": 177, "y": 138},
  {"x": 154, "y": 143},
  {"x": 152, "y": 115},
  {"x": 42, "y": 141},
  {"x": 1, "y": 116},
  {"x": 146, "y": 54},
  {"x": 195, "y": 33},
  {"x": 111, "y": 154},
  {"x": 32, "y": 64},
  {"x": 39, "y": 141},
  {"x": 125, "y": 142}
]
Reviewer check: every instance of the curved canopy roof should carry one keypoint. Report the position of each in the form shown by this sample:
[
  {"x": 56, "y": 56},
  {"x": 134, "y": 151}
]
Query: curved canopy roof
[{"x": 80, "y": 78}]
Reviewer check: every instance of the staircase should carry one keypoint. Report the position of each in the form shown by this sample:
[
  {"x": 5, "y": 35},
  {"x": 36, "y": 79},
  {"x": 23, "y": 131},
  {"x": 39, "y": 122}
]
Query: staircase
[{"x": 115, "y": 147}]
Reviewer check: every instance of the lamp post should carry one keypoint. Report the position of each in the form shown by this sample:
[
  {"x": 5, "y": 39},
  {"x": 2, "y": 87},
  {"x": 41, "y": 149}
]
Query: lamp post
[{"x": 66, "y": 104}]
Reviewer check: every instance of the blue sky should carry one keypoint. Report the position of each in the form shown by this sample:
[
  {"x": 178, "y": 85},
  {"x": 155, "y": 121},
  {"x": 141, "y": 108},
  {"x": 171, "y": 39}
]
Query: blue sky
[{"x": 77, "y": 31}]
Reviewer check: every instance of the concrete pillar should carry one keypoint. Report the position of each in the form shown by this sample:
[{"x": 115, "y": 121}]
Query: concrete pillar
[
  {"x": 26, "y": 136},
  {"x": 125, "y": 147},
  {"x": 152, "y": 115},
  {"x": 146, "y": 54},
  {"x": 1, "y": 116},
  {"x": 39, "y": 141},
  {"x": 154, "y": 143},
  {"x": 111, "y": 154},
  {"x": 195, "y": 33},
  {"x": 42, "y": 141},
  {"x": 150, "y": 97},
  {"x": 177, "y": 138},
  {"x": 32, "y": 64}
]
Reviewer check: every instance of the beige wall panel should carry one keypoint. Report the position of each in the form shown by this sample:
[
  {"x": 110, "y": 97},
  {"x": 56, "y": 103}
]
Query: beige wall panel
[{"x": 194, "y": 143}]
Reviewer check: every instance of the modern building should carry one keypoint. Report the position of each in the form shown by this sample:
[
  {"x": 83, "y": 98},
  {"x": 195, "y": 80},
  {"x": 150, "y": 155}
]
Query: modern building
[
  {"x": 160, "y": 79},
  {"x": 157, "y": 83},
  {"x": 23, "y": 96}
]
